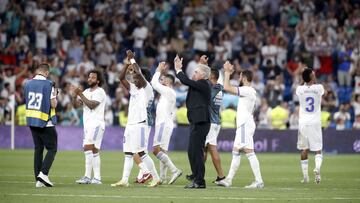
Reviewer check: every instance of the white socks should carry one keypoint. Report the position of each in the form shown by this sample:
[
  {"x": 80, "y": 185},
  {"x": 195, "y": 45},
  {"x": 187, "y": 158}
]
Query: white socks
[
  {"x": 150, "y": 165},
  {"x": 143, "y": 170},
  {"x": 318, "y": 161},
  {"x": 304, "y": 168},
  {"x": 128, "y": 164},
  {"x": 255, "y": 166},
  {"x": 235, "y": 163},
  {"x": 164, "y": 158},
  {"x": 96, "y": 166},
  {"x": 88, "y": 163},
  {"x": 163, "y": 170}
]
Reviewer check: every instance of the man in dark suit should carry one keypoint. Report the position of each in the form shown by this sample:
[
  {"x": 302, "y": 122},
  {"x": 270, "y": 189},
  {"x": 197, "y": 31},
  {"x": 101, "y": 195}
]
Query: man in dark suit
[{"x": 197, "y": 103}]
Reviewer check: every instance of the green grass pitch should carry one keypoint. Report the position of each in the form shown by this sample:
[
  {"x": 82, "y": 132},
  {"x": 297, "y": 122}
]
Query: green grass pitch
[{"x": 281, "y": 173}]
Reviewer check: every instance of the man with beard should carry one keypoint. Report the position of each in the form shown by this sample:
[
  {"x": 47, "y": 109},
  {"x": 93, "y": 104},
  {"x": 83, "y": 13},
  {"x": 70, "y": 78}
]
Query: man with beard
[
  {"x": 93, "y": 100},
  {"x": 244, "y": 141}
]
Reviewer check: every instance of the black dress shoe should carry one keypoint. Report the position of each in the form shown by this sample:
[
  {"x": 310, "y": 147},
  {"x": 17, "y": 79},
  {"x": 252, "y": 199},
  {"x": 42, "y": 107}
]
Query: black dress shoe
[
  {"x": 195, "y": 186},
  {"x": 190, "y": 177}
]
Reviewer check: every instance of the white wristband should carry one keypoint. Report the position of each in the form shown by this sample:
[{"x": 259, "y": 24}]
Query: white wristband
[{"x": 132, "y": 61}]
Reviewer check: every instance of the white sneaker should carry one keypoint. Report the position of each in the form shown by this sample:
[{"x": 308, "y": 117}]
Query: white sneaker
[
  {"x": 305, "y": 180},
  {"x": 317, "y": 176},
  {"x": 120, "y": 183},
  {"x": 255, "y": 185},
  {"x": 39, "y": 184},
  {"x": 175, "y": 176},
  {"x": 84, "y": 180},
  {"x": 225, "y": 182},
  {"x": 95, "y": 181},
  {"x": 44, "y": 179}
]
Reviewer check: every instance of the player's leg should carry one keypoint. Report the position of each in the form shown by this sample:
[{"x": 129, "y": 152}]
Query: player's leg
[
  {"x": 303, "y": 146},
  {"x": 128, "y": 159},
  {"x": 255, "y": 167},
  {"x": 144, "y": 174},
  {"x": 161, "y": 145},
  {"x": 316, "y": 144},
  {"x": 151, "y": 166},
  {"x": 217, "y": 162},
  {"x": 96, "y": 156},
  {"x": 211, "y": 146}
]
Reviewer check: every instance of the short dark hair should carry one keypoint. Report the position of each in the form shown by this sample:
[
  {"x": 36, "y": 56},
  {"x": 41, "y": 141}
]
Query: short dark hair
[
  {"x": 306, "y": 74},
  {"x": 248, "y": 75},
  {"x": 171, "y": 78},
  {"x": 43, "y": 67},
  {"x": 214, "y": 73},
  {"x": 146, "y": 73},
  {"x": 99, "y": 76}
]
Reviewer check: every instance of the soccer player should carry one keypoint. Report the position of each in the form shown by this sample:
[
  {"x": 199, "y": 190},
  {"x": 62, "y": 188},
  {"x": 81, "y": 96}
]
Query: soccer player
[
  {"x": 93, "y": 100},
  {"x": 211, "y": 138},
  {"x": 135, "y": 135},
  {"x": 245, "y": 126},
  {"x": 165, "y": 112},
  {"x": 310, "y": 135}
]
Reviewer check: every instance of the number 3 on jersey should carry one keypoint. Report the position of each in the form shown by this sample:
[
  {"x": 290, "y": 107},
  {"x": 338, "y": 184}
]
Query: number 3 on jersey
[
  {"x": 309, "y": 104},
  {"x": 35, "y": 100}
]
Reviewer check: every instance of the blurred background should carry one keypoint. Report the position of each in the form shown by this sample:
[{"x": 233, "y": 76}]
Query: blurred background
[{"x": 273, "y": 38}]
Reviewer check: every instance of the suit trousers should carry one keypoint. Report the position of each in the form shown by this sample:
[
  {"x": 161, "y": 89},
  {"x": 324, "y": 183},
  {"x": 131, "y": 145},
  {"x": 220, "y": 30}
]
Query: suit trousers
[
  {"x": 198, "y": 132},
  {"x": 44, "y": 137}
]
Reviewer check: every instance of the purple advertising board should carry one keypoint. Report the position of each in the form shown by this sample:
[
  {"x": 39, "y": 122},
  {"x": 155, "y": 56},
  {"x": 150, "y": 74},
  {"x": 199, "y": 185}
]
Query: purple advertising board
[{"x": 70, "y": 138}]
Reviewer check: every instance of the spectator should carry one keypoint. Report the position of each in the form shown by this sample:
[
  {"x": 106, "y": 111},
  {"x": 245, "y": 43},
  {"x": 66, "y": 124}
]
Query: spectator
[
  {"x": 356, "y": 124},
  {"x": 264, "y": 117},
  {"x": 228, "y": 117},
  {"x": 280, "y": 116},
  {"x": 341, "y": 118},
  {"x": 294, "y": 119}
]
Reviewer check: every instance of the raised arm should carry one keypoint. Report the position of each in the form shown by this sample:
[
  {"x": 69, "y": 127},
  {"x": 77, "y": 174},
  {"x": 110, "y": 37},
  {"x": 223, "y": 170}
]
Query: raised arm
[
  {"x": 229, "y": 69},
  {"x": 199, "y": 85},
  {"x": 162, "y": 89}
]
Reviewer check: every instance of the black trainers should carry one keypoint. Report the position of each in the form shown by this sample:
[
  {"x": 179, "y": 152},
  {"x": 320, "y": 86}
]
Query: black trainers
[
  {"x": 190, "y": 177},
  {"x": 218, "y": 179}
]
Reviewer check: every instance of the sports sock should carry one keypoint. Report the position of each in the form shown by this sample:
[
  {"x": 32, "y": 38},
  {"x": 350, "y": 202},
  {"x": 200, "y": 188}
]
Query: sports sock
[
  {"x": 163, "y": 170},
  {"x": 318, "y": 161},
  {"x": 164, "y": 158},
  {"x": 150, "y": 165},
  {"x": 143, "y": 168},
  {"x": 96, "y": 166},
  {"x": 88, "y": 162},
  {"x": 128, "y": 164},
  {"x": 304, "y": 168},
  {"x": 235, "y": 163},
  {"x": 255, "y": 166}
]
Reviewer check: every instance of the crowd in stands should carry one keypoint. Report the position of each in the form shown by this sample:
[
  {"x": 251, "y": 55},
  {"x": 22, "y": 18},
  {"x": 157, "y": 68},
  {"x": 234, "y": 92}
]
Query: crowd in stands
[{"x": 275, "y": 39}]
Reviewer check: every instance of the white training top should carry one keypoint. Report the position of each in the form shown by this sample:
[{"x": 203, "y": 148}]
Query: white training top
[
  {"x": 94, "y": 117},
  {"x": 165, "y": 110},
  {"x": 140, "y": 99},
  {"x": 246, "y": 105},
  {"x": 310, "y": 103}
]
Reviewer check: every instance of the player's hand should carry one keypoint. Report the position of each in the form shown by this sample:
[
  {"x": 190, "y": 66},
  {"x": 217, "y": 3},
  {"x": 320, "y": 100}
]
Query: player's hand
[
  {"x": 78, "y": 90},
  {"x": 161, "y": 67},
  {"x": 228, "y": 67},
  {"x": 130, "y": 55},
  {"x": 178, "y": 63},
  {"x": 204, "y": 60}
]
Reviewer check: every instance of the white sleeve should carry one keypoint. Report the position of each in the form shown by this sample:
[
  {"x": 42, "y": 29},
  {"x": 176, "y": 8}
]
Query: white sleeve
[
  {"x": 298, "y": 91},
  {"x": 98, "y": 96},
  {"x": 132, "y": 88},
  {"x": 162, "y": 89},
  {"x": 53, "y": 93},
  {"x": 149, "y": 90},
  {"x": 321, "y": 89}
]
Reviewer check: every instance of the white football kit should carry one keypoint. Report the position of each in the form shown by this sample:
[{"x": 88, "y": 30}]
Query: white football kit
[
  {"x": 137, "y": 129},
  {"x": 165, "y": 112},
  {"x": 94, "y": 121},
  {"x": 310, "y": 134},
  {"x": 244, "y": 118}
]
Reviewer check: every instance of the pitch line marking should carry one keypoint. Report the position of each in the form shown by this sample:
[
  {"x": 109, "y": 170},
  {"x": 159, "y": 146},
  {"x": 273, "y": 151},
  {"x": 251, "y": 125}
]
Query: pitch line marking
[{"x": 182, "y": 197}]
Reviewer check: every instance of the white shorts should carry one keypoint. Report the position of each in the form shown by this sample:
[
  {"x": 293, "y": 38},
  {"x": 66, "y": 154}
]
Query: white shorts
[
  {"x": 211, "y": 137},
  {"x": 310, "y": 137},
  {"x": 244, "y": 136},
  {"x": 93, "y": 136},
  {"x": 163, "y": 134},
  {"x": 136, "y": 138}
]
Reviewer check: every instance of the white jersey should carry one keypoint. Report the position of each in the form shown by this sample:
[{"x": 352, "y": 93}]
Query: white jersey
[
  {"x": 310, "y": 103},
  {"x": 165, "y": 110},
  {"x": 246, "y": 105},
  {"x": 140, "y": 99},
  {"x": 94, "y": 117}
]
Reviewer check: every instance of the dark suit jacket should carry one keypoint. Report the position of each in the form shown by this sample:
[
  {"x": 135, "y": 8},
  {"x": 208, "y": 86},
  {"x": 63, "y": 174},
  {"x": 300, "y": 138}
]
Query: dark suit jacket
[{"x": 198, "y": 98}]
